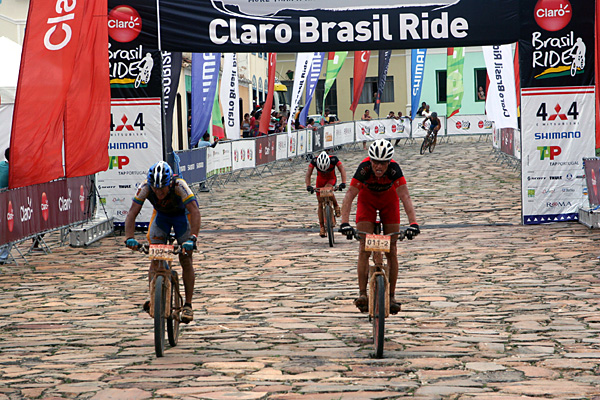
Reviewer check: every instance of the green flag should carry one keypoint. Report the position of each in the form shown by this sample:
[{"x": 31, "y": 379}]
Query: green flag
[
  {"x": 454, "y": 82},
  {"x": 217, "y": 121},
  {"x": 335, "y": 60}
]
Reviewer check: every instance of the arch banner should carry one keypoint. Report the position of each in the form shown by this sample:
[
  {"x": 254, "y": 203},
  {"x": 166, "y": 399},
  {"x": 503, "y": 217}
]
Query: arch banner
[{"x": 322, "y": 25}]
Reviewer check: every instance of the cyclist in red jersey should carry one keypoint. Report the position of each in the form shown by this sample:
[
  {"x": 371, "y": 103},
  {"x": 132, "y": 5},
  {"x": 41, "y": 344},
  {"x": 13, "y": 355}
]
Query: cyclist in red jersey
[
  {"x": 325, "y": 165},
  {"x": 380, "y": 186}
]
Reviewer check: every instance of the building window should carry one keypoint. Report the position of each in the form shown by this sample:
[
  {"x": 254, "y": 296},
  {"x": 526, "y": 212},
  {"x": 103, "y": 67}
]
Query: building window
[
  {"x": 441, "y": 77},
  {"x": 370, "y": 90},
  {"x": 330, "y": 102},
  {"x": 480, "y": 82}
]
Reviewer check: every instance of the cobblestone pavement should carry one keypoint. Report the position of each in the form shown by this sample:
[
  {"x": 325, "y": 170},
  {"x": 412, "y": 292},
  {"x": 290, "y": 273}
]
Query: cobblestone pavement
[{"x": 492, "y": 310}]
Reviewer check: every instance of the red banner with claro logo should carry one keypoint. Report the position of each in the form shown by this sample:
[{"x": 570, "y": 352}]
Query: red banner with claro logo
[{"x": 38, "y": 208}]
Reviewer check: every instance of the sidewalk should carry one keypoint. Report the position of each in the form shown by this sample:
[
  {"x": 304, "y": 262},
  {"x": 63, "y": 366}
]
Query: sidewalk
[{"x": 491, "y": 309}]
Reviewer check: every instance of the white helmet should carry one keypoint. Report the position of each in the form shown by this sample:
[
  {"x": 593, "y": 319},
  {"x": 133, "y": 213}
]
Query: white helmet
[
  {"x": 323, "y": 162},
  {"x": 381, "y": 150}
]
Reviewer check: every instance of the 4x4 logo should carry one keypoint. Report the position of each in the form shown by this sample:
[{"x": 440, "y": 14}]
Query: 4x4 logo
[
  {"x": 543, "y": 113},
  {"x": 139, "y": 122}
]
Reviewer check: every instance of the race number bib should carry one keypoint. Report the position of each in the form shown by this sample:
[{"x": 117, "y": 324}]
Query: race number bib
[
  {"x": 377, "y": 243},
  {"x": 161, "y": 252}
]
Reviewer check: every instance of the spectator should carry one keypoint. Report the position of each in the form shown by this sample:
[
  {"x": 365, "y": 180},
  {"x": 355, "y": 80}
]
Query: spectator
[
  {"x": 366, "y": 116},
  {"x": 246, "y": 126},
  {"x": 426, "y": 113},
  {"x": 421, "y": 109},
  {"x": 4, "y": 171},
  {"x": 391, "y": 115},
  {"x": 480, "y": 94},
  {"x": 332, "y": 120},
  {"x": 205, "y": 142}
]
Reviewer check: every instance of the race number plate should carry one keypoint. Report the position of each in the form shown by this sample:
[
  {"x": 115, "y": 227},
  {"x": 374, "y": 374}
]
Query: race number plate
[
  {"x": 326, "y": 192},
  {"x": 161, "y": 252},
  {"x": 377, "y": 243}
]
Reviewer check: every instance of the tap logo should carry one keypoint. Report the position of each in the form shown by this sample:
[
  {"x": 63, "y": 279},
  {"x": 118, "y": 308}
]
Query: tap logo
[
  {"x": 10, "y": 217},
  {"x": 553, "y": 15},
  {"x": 45, "y": 207},
  {"x": 550, "y": 152},
  {"x": 124, "y": 24},
  {"x": 118, "y": 162}
]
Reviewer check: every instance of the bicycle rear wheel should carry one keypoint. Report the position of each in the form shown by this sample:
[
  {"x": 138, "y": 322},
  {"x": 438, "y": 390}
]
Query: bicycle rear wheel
[
  {"x": 425, "y": 144},
  {"x": 175, "y": 317},
  {"x": 432, "y": 144},
  {"x": 379, "y": 316},
  {"x": 329, "y": 217},
  {"x": 160, "y": 296}
]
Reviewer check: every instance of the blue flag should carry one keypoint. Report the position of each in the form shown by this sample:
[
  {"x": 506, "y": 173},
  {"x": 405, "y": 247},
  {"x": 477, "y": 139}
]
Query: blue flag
[
  {"x": 205, "y": 75},
  {"x": 417, "y": 73},
  {"x": 384, "y": 62},
  {"x": 311, "y": 84}
]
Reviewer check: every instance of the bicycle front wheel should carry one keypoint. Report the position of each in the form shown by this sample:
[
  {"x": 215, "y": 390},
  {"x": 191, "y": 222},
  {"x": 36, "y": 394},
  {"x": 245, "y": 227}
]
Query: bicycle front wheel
[
  {"x": 329, "y": 217},
  {"x": 425, "y": 144},
  {"x": 160, "y": 296},
  {"x": 175, "y": 317},
  {"x": 379, "y": 316},
  {"x": 432, "y": 144}
]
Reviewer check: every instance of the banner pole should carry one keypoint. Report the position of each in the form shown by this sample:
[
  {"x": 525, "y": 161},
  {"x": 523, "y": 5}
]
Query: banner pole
[{"x": 168, "y": 157}]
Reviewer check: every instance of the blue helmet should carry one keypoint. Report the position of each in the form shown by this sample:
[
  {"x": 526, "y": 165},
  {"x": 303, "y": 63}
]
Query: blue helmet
[{"x": 159, "y": 175}]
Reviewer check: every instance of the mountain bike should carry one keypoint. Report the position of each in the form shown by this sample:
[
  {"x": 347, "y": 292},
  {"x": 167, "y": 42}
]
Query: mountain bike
[
  {"x": 378, "y": 284},
  {"x": 166, "y": 302},
  {"x": 429, "y": 141},
  {"x": 326, "y": 193}
]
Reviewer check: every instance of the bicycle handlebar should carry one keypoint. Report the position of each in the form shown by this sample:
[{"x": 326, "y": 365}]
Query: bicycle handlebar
[
  {"x": 333, "y": 189},
  {"x": 357, "y": 234},
  {"x": 145, "y": 248}
]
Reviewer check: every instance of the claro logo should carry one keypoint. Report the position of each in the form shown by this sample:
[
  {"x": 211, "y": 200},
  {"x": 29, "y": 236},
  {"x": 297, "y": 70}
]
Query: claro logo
[
  {"x": 553, "y": 15},
  {"x": 45, "y": 207},
  {"x": 124, "y": 24},
  {"x": 63, "y": 9}
]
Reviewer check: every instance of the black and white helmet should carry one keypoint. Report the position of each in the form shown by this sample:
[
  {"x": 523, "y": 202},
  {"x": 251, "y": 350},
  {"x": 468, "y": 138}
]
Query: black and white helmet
[
  {"x": 323, "y": 162},
  {"x": 381, "y": 150},
  {"x": 159, "y": 175}
]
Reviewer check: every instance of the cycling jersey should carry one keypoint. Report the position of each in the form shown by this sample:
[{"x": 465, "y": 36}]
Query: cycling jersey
[
  {"x": 378, "y": 194},
  {"x": 364, "y": 178},
  {"x": 173, "y": 204},
  {"x": 327, "y": 177}
]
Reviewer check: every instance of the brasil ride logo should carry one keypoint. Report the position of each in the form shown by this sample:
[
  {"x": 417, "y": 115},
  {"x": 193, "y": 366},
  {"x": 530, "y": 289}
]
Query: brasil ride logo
[
  {"x": 553, "y": 15},
  {"x": 124, "y": 24}
]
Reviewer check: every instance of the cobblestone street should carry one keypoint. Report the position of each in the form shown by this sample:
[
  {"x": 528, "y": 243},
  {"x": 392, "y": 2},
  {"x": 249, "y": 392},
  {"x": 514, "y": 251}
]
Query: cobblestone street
[{"x": 491, "y": 309}]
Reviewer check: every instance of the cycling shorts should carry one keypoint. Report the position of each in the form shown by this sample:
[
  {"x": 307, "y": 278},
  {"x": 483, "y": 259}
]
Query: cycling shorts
[
  {"x": 160, "y": 228},
  {"x": 323, "y": 181},
  {"x": 387, "y": 203}
]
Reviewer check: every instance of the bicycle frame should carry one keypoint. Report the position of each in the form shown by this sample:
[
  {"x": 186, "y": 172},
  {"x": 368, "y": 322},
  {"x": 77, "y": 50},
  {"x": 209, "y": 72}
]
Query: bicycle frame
[{"x": 378, "y": 267}]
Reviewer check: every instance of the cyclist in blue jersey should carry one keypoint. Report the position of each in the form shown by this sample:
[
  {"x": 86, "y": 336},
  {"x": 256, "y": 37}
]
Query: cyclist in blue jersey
[{"x": 175, "y": 207}]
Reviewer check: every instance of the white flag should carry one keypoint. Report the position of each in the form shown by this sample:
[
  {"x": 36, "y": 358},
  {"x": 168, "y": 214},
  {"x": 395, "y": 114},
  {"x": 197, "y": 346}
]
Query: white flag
[
  {"x": 501, "y": 98},
  {"x": 303, "y": 62},
  {"x": 229, "y": 96}
]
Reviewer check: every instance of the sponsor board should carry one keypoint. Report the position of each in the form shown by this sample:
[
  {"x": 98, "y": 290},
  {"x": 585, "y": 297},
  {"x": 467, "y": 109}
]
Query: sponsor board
[
  {"x": 135, "y": 144},
  {"x": 558, "y": 130},
  {"x": 469, "y": 125}
]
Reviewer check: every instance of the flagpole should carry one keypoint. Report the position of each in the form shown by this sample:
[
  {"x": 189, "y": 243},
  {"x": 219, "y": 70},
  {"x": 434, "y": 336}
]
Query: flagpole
[{"x": 163, "y": 117}]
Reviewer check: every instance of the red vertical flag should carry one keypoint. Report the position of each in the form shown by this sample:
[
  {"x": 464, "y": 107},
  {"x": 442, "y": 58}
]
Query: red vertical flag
[
  {"x": 87, "y": 116},
  {"x": 361, "y": 63},
  {"x": 55, "y": 56},
  {"x": 265, "y": 119}
]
